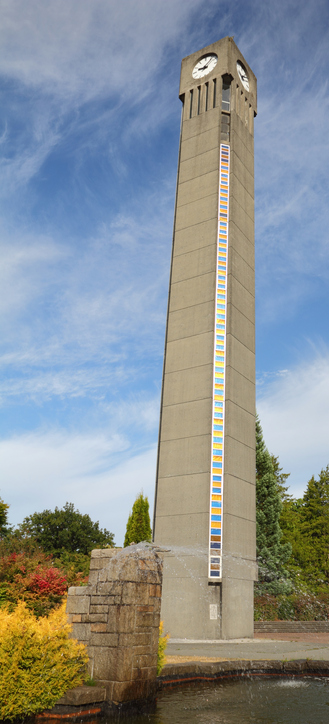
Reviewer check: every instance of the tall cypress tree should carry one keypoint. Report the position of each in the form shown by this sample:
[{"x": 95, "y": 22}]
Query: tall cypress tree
[
  {"x": 139, "y": 524},
  {"x": 272, "y": 555}
]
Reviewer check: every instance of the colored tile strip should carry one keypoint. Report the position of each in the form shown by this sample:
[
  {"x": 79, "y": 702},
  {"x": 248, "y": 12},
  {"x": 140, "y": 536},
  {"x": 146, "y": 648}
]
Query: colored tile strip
[{"x": 218, "y": 425}]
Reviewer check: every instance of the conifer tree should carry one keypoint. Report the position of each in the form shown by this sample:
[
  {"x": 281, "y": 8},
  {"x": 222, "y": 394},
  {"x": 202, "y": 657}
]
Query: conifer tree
[
  {"x": 5, "y": 529},
  {"x": 139, "y": 524},
  {"x": 272, "y": 555},
  {"x": 314, "y": 554},
  {"x": 281, "y": 479}
]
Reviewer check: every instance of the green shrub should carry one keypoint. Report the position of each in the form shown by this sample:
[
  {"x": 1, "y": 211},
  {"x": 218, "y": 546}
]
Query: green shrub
[
  {"x": 298, "y": 606},
  {"x": 38, "y": 661},
  {"x": 161, "y": 649}
]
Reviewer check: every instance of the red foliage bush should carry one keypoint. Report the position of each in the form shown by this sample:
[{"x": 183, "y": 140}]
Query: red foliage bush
[
  {"x": 47, "y": 581},
  {"x": 31, "y": 575},
  {"x": 31, "y": 578}
]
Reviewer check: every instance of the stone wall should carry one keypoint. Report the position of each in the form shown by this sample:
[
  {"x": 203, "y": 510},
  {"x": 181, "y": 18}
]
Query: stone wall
[
  {"x": 117, "y": 616},
  {"x": 291, "y": 627}
]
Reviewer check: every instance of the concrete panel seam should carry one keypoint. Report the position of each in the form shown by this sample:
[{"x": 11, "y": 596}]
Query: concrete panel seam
[
  {"x": 190, "y": 226},
  {"x": 198, "y": 248},
  {"x": 188, "y": 437},
  {"x": 252, "y": 198},
  {"x": 191, "y": 307},
  {"x": 238, "y": 282},
  {"x": 185, "y": 368},
  {"x": 241, "y": 517},
  {"x": 247, "y": 318},
  {"x": 188, "y": 402},
  {"x": 229, "y": 399},
  {"x": 198, "y": 175},
  {"x": 201, "y": 198},
  {"x": 232, "y": 335},
  {"x": 240, "y": 205},
  {"x": 232, "y": 224},
  {"x": 196, "y": 276},
  {"x": 193, "y": 251},
  {"x": 200, "y": 472},
  {"x": 238, "y": 254},
  {"x": 243, "y": 480},
  {"x": 234, "y": 153},
  {"x": 234, "y": 133},
  {"x": 234, "y": 370},
  {"x": 236, "y": 405},
  {"x": 191, "y": 368},
  {"x": 182, "y": 515},
  {"x": 189, "y": 336},
  {"x": 193, "y": 135},
  {"x": 240, "y": 443},
  {"x": 245, "y": 557},
  {"x": 196, "y": 155}
]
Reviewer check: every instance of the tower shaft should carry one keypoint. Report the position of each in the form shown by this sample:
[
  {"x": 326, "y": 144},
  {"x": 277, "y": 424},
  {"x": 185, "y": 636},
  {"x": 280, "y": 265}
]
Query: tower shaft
[{"x": 205, "y": 489}]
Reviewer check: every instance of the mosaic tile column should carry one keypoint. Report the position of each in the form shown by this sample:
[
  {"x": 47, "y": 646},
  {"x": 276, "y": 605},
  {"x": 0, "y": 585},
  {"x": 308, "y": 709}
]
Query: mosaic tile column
[{"x": 218, "y": 422}]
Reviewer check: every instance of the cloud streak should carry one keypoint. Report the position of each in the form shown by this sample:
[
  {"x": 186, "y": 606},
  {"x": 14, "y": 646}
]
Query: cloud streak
[
  {"x": 44, "y": 470},
  {"x": 293, "y": 410}
]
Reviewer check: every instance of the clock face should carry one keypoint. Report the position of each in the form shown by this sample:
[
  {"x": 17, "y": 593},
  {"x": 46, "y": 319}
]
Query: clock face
[
  {"x": 205, "y": 65},
  {"x": 243, "y": 75}
]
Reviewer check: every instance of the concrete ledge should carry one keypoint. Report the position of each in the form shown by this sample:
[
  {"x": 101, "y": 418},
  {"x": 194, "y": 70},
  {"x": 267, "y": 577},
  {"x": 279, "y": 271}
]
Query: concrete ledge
[
  {"x": 82, "y": 695},
  {"x": 291, "y": 627},
  {"x": 62, "y": 711},
  {"x": 197, "y": 671}
]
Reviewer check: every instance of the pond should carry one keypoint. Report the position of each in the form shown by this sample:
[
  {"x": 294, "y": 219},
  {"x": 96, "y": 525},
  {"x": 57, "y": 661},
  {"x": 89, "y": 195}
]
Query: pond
[{"x": 241, "y": 701}]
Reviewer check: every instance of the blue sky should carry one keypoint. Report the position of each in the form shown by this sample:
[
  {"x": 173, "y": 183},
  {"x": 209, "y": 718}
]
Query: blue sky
[{"x": 89, "y": 127}]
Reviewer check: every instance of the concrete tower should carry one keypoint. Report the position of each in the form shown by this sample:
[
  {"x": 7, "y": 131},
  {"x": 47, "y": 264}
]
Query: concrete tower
[{"x": 205, "y": 489}]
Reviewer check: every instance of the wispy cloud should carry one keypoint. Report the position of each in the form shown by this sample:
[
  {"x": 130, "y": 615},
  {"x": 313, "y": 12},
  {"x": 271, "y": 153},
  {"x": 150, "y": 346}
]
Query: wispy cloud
[
  {"x": 293, "y": 409},
  {"x": 96, "y": 472},
  {"x": 106, "y": 299},
  {"x": 287, "y": 44}
]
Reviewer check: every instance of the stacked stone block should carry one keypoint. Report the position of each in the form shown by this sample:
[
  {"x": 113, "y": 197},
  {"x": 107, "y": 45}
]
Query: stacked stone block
[{"x": 117, "y": 616}]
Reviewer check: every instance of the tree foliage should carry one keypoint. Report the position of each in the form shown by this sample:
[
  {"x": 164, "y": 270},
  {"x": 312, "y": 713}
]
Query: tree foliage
[
  {"x": 281, "y": 479},
  {"x": 272, "y": 554},
  {"x": 305, "y": 525},
  {"x": 4, "y": 527},
  {"x": 138, "y": 524},
  {"x": 66, "y": 529}
]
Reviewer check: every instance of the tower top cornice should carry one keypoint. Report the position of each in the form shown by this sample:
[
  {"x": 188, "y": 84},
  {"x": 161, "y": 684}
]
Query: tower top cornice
[{"x": 229, "y": 56}]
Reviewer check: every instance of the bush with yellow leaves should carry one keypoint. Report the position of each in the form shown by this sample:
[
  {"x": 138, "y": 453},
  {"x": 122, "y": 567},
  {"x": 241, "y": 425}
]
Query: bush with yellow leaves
[
  {"x": 38, "y": 661},
  {"x": 163, "y": 639}
]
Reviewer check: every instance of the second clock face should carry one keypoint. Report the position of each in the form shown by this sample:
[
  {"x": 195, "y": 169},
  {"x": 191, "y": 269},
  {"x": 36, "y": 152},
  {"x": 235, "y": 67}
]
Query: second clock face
[
  {"x": 205, "y": 65},
  {"x": 243, "y": 75}
]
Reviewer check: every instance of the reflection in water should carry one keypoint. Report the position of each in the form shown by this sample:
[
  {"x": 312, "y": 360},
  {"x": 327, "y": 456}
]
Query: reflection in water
[{"x": 241, "y": 701}]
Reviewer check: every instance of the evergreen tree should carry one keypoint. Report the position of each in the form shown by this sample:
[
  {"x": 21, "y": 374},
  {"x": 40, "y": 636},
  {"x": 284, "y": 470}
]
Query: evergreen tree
[
  {"x": 5, "y": 529},
  {"x": 313, "y": 552},
  {"x": 272, "y": 555},
  {"x": 139, "y": 524},
  {"x": 281, "y": 479}
]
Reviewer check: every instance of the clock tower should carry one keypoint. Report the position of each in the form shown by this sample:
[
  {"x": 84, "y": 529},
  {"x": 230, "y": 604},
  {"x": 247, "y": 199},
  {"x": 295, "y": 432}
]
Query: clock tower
[{"x": 204, "y": 513}]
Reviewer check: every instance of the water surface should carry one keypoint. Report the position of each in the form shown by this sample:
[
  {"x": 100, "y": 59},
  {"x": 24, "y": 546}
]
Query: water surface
[{"x": 241, "y": 701}]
